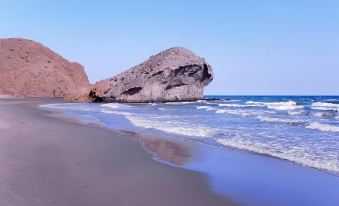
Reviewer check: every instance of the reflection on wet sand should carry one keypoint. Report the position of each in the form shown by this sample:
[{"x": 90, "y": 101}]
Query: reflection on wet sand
[{"x": 167, "y": 150}]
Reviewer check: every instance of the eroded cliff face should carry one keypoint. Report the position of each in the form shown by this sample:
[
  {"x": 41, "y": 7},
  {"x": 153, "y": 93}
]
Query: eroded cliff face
[
  {"x": 27, "y": 68},
  {"x": 176, "y": 74}
]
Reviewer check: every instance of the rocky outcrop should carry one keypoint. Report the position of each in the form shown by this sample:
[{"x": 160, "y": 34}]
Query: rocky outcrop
[
  {"x": 27, "y": 68},
  {"x": 176, "y": 74}
]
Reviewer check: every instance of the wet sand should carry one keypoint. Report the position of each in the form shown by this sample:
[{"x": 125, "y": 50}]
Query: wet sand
[{"x": 47, "y": 161}]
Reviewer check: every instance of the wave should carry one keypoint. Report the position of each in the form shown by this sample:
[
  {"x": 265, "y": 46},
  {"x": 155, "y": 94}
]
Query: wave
[
  {"x": 111, "y": 105},
  {"x": 116, "y": 112},
  {"x": 325, "y": 106},
  {"x": 296, "y": 112},
  {"x": 179, "y": 128},
  {"x": 295, "y": 154},
  {"x": 323, "y": 127},
  {"x": 290, "y": 105},
  {"x": 279, "y": 120},
  {"x": 205, "y": 101},
  {"x": 208, "y": 108},
  {"x": 235, "y": 112},
  {"x": 166, "y": 124},
  {"x": 326, "y": 114},
  {"x": 233, "y": 105}
]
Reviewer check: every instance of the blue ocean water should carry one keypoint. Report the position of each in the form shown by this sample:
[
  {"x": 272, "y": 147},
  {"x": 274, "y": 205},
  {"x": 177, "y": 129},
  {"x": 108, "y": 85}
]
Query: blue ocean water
[{"x": 301, "y": 129}]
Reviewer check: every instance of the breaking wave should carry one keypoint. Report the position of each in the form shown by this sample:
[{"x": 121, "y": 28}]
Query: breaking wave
[
  {"x": 290, "y": 105},
  {"x": 323, "y": 127},
  {"x": 295, "y": 154},
  {"x": 208, "y": 108},
  {"x": 235, "y": 112},
  {"x": 112, "y": 105},
  {"x": 279, "y": 120},
  {"x": 233, "y": 105},
  {"x": 325, "y": 106}
]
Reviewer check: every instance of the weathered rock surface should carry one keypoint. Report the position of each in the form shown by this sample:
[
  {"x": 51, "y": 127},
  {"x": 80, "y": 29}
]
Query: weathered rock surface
[
  {"x": 176, "y": 74},
  {"x": 27, "y": 68}
]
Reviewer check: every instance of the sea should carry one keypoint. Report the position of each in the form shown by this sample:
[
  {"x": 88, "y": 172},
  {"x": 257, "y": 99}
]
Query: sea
[{"x": 300, "y": 129}]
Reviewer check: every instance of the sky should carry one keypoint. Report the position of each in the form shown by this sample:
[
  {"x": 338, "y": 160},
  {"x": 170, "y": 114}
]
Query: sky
[{"x": 255, "y": 47}]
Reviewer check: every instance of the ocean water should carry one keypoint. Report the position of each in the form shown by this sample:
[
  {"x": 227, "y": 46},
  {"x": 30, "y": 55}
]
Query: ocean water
[{"x": 301, "y": 129}]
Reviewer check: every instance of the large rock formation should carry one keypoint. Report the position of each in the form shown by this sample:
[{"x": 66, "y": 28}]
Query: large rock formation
[
  {"x": 27, "y": 68},
  {"x": 176, "y": 74}
]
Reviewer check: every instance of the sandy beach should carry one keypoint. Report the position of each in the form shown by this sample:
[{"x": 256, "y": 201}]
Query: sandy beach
[{"x": 49, "y": 161}]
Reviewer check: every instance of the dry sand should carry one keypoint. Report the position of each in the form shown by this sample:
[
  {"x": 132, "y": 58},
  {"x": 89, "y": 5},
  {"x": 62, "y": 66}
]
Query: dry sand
[{"x": 46, "y": 161}]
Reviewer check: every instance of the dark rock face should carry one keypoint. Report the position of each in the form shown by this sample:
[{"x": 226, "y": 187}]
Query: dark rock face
[
  {"x": 27, "y": 68},
  {"x": 176, "y": 74}
]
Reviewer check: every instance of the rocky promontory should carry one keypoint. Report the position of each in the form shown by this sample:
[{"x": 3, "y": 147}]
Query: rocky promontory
[
  {"x": 176, "y": 74},
  {"x": 28, "y": 68}
]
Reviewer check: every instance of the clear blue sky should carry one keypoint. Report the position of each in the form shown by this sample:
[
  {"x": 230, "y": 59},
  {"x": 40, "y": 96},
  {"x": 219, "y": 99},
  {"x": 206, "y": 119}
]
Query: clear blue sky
[{"x": 254, "y": 47}]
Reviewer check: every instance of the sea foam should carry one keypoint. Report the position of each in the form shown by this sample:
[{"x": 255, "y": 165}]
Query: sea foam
[
  {"x": 235, "y": 112},
  {"x": 323, "y": 127},
  {"x": 112, "y": 105},
  {"x": 325, "y": 106},
  {"x": 279, "y": 120},
  {"x": 165, "y": 124},
  {"x": 295, "y": 154},
  {"x": 290, "y": 105},
  {"x": 208, "y": 108},
  {"x": 233, "y": 105}
]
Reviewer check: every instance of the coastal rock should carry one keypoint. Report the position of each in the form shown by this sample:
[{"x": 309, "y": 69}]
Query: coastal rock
[
  {"x": 27, "y": 68},
  {"x": 176, "y": 74}
]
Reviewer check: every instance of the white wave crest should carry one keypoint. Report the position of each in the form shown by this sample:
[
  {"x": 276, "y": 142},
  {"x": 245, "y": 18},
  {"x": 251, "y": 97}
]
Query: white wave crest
[
  {"x": 221, "y": 111},
  {"x": 166, "y": 124},
  {"x": 323, "y": 127},
  {"x": 325, "y": 106},
  {"x": 233, "y": 105},
  {"x": 295, "y": 154},
  {"x": 116, "y": 112},
  {"x": 111, "y": 105},
  {"x": 235, "y": 112},
  {"x": 290, "y": 105},
  {"x": 279, "y": 120},
  {"x": 205, "y": 101},
  {"x": 295, "y": 112},
  {"x": 231, "y": 100},
  {"x": 180, "y": 128},
  {"x": 208, "y": 108}
]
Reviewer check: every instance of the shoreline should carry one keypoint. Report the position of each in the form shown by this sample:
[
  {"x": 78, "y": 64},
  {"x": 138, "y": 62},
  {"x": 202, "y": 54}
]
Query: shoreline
[
  {"x": 245, "y": 171},
  {"x": 166, "y": 150},
  {"x": 178, "y": 139},
  {"x": 48, "y": 161}
]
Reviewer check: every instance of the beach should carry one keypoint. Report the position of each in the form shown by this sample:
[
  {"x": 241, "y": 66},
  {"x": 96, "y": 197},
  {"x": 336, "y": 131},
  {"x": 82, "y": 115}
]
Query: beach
[
  {"x": 52, "y": 161},
  {"x": 72, "y": 157},
  {"x": 241, "y": 143}
]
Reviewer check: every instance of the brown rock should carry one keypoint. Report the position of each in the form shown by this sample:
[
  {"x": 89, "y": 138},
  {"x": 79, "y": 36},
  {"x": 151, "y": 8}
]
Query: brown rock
[
  {"x": 176, "y": 74},
  {"x": 27, "y": 68}
]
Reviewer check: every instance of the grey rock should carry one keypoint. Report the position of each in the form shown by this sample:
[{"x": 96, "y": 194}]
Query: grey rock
[{"x": 176, "y": 74}]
